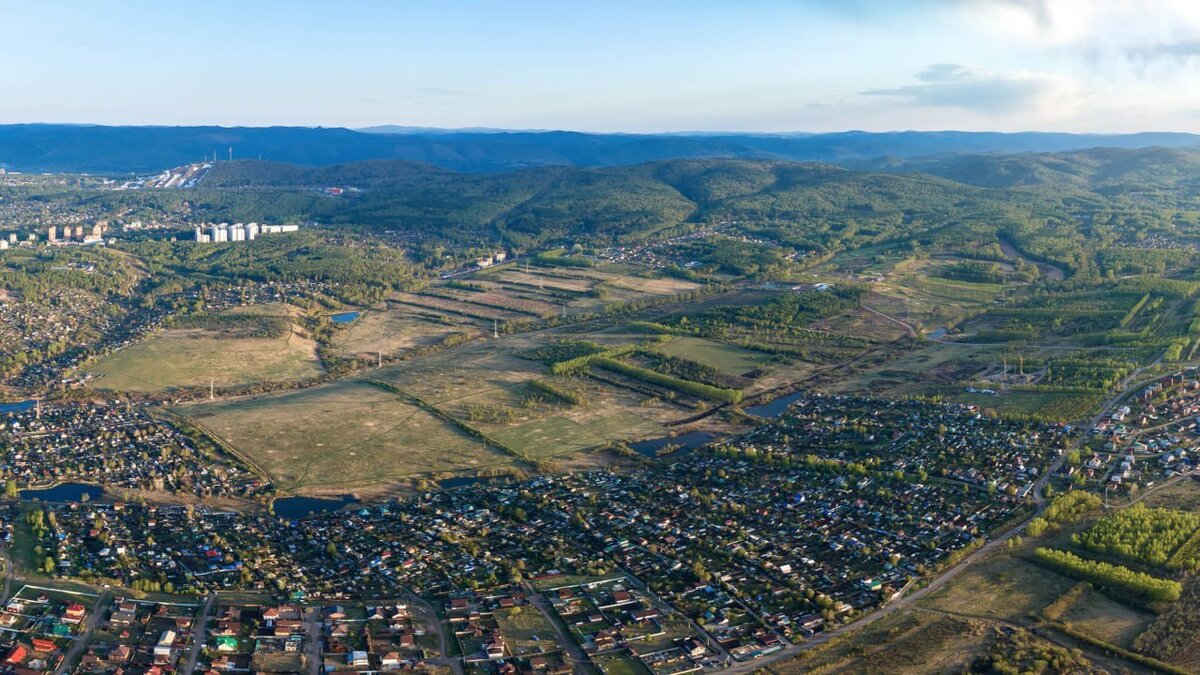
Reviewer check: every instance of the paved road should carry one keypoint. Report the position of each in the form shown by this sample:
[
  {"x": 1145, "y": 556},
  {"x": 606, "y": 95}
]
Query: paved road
[
  {"x": 578, "y": 658},
  {"x": 428, "y": 615},
  {"x": 312, "y": 626},
  {"x": 9, "y": 573},
  {"x": 199, "y": 636},
  {"x": 723, "y": 654},
  {"x": 80, "y": 641}
]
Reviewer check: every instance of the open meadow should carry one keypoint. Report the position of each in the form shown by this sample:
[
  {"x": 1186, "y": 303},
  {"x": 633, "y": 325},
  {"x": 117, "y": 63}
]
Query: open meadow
[
  {"x": 550, "y": 290},
  {"x": 249, "y": 345},
  {"x": 340, "y": 436},
  {"x": 487, "y": 385},
  {"x": 729, "y": 359},
  {"x": 391, "y": 329}
]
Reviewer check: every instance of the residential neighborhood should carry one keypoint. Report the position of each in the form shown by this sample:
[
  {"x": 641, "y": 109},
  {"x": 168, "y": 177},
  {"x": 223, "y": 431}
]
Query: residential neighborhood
[
  {"x": 720, "y": 556},
  {"x": 118, "y": 446}
]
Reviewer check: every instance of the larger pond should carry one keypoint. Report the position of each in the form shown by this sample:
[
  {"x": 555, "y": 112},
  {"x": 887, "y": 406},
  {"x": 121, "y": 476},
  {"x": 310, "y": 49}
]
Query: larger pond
[
  {"x": 16, "y": 407},
  {"x": 65, "y": 492},
  {"x": 345, "y": 317},
  {"x": 776, "y": 407},
  {"x": 299, "y": 507},
  {"x": 656, "y": 447}
]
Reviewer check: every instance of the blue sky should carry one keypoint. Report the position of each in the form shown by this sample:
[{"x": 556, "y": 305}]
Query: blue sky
[{"x": 610, "y": 65}]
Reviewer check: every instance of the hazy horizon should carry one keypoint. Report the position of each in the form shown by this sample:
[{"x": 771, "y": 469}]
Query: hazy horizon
[
  {"x": 762, "y": 66},
  {"x": 416, "y": 130}
]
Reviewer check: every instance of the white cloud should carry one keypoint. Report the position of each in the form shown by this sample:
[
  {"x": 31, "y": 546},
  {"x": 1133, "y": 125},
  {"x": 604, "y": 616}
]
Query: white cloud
[
  {"x": 952, "y": 85},
  {"x": 1092, "y": 27}
]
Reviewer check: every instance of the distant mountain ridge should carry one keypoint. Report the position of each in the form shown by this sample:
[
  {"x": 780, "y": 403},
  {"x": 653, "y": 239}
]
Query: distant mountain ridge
[
  {"x": 1094, "y": 169},
  {"x": 146, "y": 149}
]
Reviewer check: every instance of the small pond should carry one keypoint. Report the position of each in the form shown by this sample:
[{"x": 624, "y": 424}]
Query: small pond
[
  {"x": 345, "y": 317},
  {"x": 299, "y": 507},
  {"x": 684, "y": 443},
  {"x": 65, "y": 492},
  {"x": 16, "y": 407},
  {"x": 775, "y": 407}
]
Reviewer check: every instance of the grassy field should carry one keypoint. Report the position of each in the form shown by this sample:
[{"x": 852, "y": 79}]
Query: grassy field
[
  {"x": 191, "y": 357},
  {"x": 1098, "y": 615},
  {"x": 578, "y": 290},
  {"x": 943, "y": 645},
  {"x": 353, "y": 434},
  {"x": 483, "y": 384},
  {"x": 907, "y": 642},
  {"x": 728, "y": 359},
  {"x": 277, "y": 663},
  {"x": 392, "y": 329},
  {"x": 864, "y": 324},
  {"x": 1001, "y": 587},
  {"x": 341, "y": 435},
  {"x": 1184, "y": 496},
  {"x": 908, "y": 292},
  {"x": 568, "y": 580},
  {"x": 266, "y": 309},
  {"x": 615, "y": 663},
  {"x": 526, "y": 630},
  {"x": 935, "y": 364},
  {"x": 554, "y": 436},
  {"x": 1065, "y": 406}
]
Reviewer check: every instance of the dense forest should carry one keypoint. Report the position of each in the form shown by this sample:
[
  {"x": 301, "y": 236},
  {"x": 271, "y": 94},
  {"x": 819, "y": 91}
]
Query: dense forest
[
  {"x": 125, "y": 149},
  {"x": 1095, "y": 215}
]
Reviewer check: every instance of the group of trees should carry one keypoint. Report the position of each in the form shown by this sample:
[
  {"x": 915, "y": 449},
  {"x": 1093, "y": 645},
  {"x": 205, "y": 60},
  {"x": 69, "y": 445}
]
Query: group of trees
[
  {"x": 1175, "y": 631},
  {"x": 686, "y": 369},
  {"x": 557, "y": 391},
  {"x": 355, "y": 270},
  {"x": 1066, "y": 508},
  {"x": 1118, "y": 578},
  {"x": 975, "y": 271},
  {"x": 1148, "y": 535},
  {"x": 1019, "y": 653},
  {"x": 777, "y": 324},
  {"x": 697, "y": 389},
  {"x": 36, "y": 273}
]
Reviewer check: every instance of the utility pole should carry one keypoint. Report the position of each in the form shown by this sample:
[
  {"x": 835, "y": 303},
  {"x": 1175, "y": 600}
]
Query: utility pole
[
  {"x": 380, "y": 365},
  {"x": 212, "y": 389},
  {"x": 495, "y": 329}
]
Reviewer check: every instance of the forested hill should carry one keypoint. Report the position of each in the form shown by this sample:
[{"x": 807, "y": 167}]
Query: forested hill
[
  {"x": 1096, "y": 169},
  {"x": 808, "y": 205},
  {"x": 767, "y": 209},
  {"x": 366, "y": 174},
  {"x": 145, "y": 149}
]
